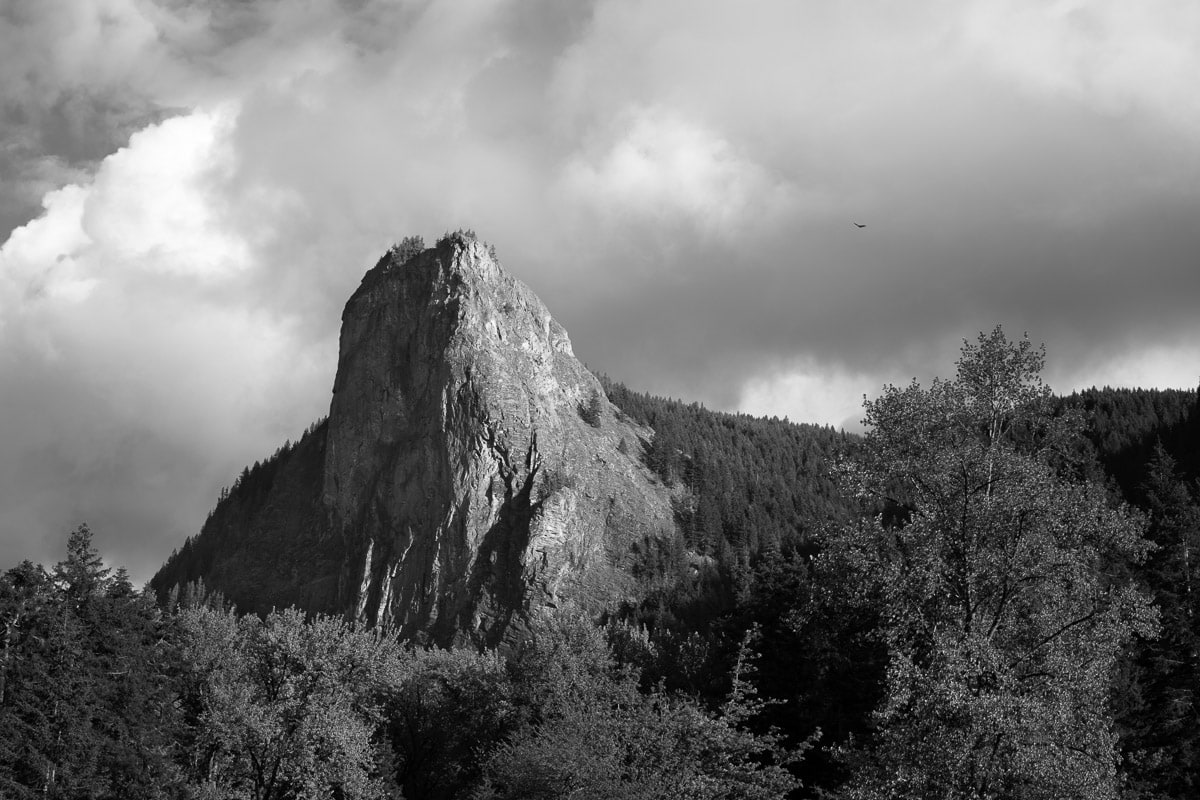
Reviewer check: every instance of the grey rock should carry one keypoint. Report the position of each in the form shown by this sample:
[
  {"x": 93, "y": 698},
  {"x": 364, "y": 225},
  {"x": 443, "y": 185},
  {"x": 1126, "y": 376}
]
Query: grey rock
[{"x": 461, "y": 490}]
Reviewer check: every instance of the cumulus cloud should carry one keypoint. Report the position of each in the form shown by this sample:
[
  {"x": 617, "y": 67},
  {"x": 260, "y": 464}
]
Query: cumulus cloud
[
  {"x": 74, "y": 88},
  {"x": 193, "y": 189},
  {"x": 146, "y": 374},
  {"x": 659, "y": 169}
]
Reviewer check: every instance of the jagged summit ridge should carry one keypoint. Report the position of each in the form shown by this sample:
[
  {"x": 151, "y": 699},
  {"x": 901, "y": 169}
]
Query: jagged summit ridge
[{"x": 459, "y": 488}]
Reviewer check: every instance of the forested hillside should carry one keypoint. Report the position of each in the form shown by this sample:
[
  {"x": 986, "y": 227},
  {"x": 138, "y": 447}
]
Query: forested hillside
[
  {"x": 263, "y": 525},
  {"x": 822, "y": 660},
  {"x": 750, "y": 484},
  {"x": 942, "y": 607},
  {"x": 822, "y": 657},
  {"x": 1127, "y": 426},
  {"x": 1147, "y": 443}
]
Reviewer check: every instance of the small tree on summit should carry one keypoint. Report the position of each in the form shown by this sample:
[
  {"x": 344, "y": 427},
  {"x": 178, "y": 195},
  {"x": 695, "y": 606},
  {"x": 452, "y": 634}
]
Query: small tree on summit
[{"x": 408, "y": 247}]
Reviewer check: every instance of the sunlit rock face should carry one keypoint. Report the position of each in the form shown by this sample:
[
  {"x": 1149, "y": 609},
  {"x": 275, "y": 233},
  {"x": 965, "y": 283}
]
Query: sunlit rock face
[
  {"x": 461, "y": 486},
  {"x": 462, "y": 478}
]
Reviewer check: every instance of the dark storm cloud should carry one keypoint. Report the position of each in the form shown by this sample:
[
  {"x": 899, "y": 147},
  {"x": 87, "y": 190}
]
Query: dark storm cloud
[
  {"x": 64, "y": 102},
  {"x": 677, "y": 180},
  {"x": 1042, "y": 217}
]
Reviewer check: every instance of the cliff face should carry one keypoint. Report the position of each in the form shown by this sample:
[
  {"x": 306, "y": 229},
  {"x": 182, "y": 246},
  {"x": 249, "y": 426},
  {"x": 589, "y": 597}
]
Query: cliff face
[{"x": 460, "y": 485}]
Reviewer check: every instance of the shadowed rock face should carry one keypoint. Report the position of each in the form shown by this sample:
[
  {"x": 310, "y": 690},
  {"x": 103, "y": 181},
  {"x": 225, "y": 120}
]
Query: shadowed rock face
[{"x": 460, "y": 483}]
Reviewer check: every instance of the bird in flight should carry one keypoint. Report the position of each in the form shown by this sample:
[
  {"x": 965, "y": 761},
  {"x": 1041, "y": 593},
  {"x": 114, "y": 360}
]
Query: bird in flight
[{"x": 860, "y": 224}]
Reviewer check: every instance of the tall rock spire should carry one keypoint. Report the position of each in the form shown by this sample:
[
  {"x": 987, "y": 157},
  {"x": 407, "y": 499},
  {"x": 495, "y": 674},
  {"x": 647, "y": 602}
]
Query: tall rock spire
[{"x": 472, "y": 470}]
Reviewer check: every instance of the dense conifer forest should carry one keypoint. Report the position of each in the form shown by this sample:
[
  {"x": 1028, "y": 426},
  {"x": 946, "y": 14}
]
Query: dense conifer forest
[{"x": 989, "y": 594}]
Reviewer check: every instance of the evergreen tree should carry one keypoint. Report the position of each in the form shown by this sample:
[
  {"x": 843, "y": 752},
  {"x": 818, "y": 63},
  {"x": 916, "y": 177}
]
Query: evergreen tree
[
  {"x": 1160, "y": 690},
  {"x": 86, "y": 705},
  {"x": 28, "y": 602},
  {"x": 589, "y": 412},
  {"x": 82, "y": 575}
]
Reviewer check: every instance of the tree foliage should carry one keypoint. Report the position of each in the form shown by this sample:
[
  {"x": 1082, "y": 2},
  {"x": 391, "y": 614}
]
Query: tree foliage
[
  {"x": 1158, "y": 691},
  {"x": 747, "y": 484},
  {"x": 589, "y": 732},
  {"x": 958, "y": 640},
  {"x": 286, "y": 708},
  {"x": 407, "y": 248},
  {"x": 105, "y": 695},
  {"x": 1001, "y": 625},
  {"x": 589, "y": 411},
  {"x": 1127, "y": 427},
  {"x": 452, "y": 709},
  {"x": 86, "y": 701}
]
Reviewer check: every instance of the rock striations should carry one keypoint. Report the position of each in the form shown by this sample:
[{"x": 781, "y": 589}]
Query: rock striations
[{"x": 470, "y": 473}]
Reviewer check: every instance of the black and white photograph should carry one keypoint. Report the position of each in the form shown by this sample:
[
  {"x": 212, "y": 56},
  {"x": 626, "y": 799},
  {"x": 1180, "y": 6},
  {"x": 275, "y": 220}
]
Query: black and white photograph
[{"x": 590, "y": 399}]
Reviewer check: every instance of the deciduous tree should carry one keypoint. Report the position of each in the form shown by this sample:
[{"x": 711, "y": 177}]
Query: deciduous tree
[
  {"x": 1001, "y": 625},
  {"x": 285, "y": 708},
  {"x": 592, "y": 734}
]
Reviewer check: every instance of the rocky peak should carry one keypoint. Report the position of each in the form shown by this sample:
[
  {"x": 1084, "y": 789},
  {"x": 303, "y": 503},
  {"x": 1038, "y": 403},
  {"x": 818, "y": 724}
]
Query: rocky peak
[
  {"x": 465, "y": 485},
  {"x": 470, "y": 474}
]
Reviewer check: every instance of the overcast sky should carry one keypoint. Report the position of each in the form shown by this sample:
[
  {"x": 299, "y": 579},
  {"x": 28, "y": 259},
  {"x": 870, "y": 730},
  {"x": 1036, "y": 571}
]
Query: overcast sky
[{"x": 190, "y": 191}]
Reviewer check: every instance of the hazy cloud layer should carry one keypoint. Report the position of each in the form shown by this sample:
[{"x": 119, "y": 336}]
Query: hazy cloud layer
[{"x": 189, "y": 191}]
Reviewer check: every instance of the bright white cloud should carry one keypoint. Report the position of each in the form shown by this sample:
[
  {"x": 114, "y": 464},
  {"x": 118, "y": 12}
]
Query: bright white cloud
[
  {"x": 38, "y": 262},
  {"x": 658, "y": 167},
  {"x": 1164, "y": 364},
  {"x": 810, "y": 392},
  {"x": 157, "y": 205},
  {"x": 145, "y": 366}
]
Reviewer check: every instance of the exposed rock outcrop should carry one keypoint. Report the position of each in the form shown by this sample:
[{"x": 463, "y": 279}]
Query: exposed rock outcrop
[{"x": 460, "y": 484}]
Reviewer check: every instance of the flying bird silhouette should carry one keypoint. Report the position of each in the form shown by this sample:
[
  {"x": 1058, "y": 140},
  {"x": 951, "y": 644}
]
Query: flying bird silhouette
[{"x": 859, "y": 224}]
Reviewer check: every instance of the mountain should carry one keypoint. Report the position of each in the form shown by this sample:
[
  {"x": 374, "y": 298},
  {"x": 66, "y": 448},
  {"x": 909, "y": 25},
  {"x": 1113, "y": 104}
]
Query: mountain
[{"x": 471, "y": 470}]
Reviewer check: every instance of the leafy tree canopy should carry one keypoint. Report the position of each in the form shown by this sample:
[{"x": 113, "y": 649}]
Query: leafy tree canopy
[{"x": 1001, "y": 625}]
